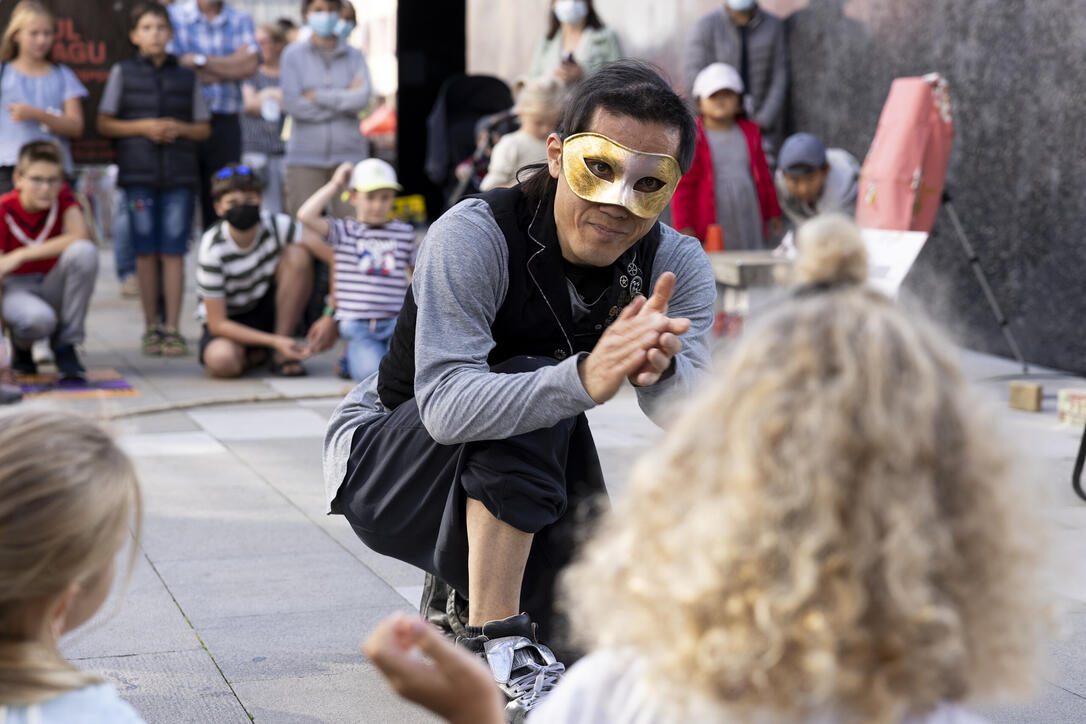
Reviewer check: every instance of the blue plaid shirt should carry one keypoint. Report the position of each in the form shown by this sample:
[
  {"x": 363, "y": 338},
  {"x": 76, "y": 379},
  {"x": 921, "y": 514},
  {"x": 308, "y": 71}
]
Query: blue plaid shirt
[{"x": 194, "y": 33}]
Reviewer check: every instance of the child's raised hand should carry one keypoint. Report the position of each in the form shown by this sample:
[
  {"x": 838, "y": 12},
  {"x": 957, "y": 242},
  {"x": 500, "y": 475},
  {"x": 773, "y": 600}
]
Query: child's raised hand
[{"x": 342, "y": 175}]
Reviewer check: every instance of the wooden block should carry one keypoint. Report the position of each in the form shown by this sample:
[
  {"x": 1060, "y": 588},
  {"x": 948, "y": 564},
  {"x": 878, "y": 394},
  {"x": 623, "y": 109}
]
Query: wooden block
[{"x": 1026, "y": 396}]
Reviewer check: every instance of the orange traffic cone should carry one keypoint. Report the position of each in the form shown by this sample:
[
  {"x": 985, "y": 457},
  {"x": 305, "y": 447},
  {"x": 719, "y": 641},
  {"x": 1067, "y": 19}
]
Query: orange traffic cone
[{"x": 714, "y": 238}]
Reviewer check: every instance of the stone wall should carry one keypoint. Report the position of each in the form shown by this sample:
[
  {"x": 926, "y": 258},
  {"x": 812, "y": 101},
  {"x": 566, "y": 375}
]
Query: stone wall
[{"x": 1018, "y": 170}]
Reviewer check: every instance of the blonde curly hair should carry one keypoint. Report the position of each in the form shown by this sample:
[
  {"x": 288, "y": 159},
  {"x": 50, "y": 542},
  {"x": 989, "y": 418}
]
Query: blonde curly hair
[{"x": 831, "y": 525}]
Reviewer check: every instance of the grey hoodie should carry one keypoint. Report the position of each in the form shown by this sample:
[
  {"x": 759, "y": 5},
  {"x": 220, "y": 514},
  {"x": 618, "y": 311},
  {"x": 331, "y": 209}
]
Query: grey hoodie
[
  {"x": 324, "y": 131},
  {"x": 838, "y": 193}
]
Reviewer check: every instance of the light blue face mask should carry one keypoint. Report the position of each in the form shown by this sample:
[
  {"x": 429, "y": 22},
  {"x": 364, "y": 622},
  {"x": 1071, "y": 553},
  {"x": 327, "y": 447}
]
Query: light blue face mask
[
  {"x": 323, "y": 24},
  {"x": 343, "y": 29},
  {"x": 741, "y": 5}
]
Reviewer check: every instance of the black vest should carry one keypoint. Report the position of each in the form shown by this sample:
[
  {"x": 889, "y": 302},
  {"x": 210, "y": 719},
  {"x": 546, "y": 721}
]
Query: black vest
[
  {"x": 536, "y": 316},
  {"x": 150, "y": 92}
]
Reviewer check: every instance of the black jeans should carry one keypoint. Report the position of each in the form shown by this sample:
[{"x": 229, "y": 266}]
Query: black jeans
[
  {"x": 405, "y": 494},
  {"x": 222, "y": 148}
]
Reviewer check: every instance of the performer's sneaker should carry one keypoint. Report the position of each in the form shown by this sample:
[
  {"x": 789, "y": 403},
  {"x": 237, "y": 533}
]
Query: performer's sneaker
[
  {"x": 524, "y": 669},
  {"x": 442, "y": 606}
]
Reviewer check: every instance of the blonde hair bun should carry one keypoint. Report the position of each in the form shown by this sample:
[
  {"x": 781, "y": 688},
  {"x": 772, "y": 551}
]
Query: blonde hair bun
[{"x": 831, "y": 250}]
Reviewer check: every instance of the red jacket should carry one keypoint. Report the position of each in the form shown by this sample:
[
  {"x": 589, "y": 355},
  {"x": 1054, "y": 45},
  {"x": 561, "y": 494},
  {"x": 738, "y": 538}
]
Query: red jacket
[{"x": 694, "y": 203}]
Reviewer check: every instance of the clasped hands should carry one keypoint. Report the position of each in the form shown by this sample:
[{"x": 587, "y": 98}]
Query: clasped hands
[
  {"x": 162, "y": 130},
  {"x": 638, "y": 346}
]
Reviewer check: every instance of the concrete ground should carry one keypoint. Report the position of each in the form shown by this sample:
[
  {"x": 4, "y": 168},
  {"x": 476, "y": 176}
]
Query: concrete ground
[{"x": 247, "y": 602}]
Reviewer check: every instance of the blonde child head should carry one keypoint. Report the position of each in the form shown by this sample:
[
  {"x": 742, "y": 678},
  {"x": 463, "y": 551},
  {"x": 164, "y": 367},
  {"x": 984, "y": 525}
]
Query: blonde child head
[
  {"x": 832, "y": 525},
  {"x": 68, "y": 497},
  {"x": 33, "y": 17},
  {"x": 539, "y": 104}
]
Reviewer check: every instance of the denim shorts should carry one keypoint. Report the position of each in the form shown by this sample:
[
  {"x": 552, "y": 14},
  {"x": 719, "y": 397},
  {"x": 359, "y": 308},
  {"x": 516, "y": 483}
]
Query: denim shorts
[{"x": 160, "y": 220}]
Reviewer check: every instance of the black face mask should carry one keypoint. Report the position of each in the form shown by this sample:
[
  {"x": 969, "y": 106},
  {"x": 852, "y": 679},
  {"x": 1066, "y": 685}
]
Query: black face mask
[{"x": 243, "y": 217}]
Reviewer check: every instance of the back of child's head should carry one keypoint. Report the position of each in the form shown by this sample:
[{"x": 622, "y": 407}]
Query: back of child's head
[
  {"x": 68, "y": 496},
  {"x": 154, "y": 9},
  {"x": 832, "y": 526},
  {"x": 275, "y": 32},
  {"x": 21, "y": 14},
  {"x": 234, "y": 177},
  {"x": 39, "y": 152},
  {"x": 540, "y": 97}
]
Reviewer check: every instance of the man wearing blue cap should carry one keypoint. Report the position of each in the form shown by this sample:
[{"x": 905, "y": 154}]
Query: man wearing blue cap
[
  {"x": 753, "y": 41},
  {"x": 812, "y": 179}
]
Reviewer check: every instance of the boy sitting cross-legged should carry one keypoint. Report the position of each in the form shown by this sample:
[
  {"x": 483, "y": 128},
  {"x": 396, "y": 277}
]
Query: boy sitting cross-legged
[
  {"x": 48, "y": 265},
  {"x": 253, "y": 278}
]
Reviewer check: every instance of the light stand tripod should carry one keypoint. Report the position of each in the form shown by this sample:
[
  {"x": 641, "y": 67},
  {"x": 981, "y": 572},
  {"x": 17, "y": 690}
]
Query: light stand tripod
[{"x": 982, "y": 278}]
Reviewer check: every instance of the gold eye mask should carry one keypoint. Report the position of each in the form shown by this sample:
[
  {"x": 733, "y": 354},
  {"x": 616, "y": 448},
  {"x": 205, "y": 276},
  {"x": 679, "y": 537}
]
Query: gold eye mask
[{"x": 605, "y": 172}]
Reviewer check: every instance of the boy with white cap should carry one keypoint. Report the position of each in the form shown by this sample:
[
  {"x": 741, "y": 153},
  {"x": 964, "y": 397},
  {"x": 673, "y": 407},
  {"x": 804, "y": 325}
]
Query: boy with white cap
[
  {"x": 812, "y": 179},
  {"x": 374, "y": 257}
]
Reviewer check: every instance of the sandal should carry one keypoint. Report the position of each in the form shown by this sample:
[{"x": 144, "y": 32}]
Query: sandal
[
  {"x": 151, "y": 342},
  {"x": 173, "y": 344},
  {"x": 287, "y": 368}
]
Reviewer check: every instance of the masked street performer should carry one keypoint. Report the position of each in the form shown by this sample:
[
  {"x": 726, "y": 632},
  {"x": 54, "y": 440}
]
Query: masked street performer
[{"x": 468, "y": 453}]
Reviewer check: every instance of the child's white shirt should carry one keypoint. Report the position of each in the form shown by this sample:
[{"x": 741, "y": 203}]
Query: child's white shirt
[{"x": 98, "y": 704}]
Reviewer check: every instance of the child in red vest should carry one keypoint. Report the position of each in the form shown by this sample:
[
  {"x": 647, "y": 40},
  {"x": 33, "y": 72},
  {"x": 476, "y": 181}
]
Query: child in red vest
[{"x": 729, "y": 182}]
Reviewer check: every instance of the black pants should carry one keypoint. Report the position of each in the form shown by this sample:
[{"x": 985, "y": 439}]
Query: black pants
[
  {"x": 223, "y": 147},
  {"x": 405, "y": 495}
]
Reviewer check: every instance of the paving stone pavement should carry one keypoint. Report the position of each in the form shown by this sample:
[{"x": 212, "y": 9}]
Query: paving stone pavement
[{"x": 246, "y": 602}]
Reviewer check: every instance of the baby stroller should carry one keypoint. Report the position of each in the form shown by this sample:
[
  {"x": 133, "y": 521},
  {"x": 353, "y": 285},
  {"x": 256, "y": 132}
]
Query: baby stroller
[{"x": 470, "y": 114}]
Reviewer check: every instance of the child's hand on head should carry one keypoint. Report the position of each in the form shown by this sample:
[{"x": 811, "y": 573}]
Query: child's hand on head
[{"x": 342, "y": 175}]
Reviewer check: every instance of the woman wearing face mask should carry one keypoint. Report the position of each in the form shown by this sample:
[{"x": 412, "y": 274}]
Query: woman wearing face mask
[
  {"x": 576, "y": 43},
  {"x": 325, "y": 83}
]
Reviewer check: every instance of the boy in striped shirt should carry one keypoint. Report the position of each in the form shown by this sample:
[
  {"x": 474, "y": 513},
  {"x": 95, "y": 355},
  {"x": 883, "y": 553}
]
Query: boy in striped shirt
[
  {"x": 253, "y": 278},
  {"x": 374, "y": 257}
]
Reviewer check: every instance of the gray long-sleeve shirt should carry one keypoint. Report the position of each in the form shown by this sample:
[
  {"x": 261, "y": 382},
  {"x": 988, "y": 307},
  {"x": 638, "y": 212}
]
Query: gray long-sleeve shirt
[
  {"x": 459, "y": 284},
  {"x": 324, "y": 131}
]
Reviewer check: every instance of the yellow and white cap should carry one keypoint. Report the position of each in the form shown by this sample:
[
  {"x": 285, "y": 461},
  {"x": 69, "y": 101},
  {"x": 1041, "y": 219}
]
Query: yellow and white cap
[{"x": 373, "y": 174}]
